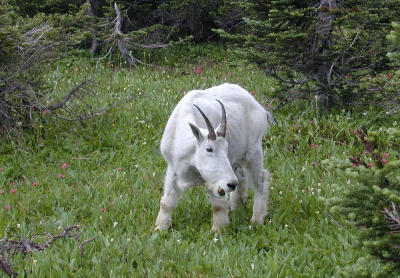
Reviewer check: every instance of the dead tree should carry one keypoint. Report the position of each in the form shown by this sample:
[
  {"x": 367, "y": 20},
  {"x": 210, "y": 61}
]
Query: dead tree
[
  {"x": 23, "y": 96},
  {"x": 124, "y": 43}
]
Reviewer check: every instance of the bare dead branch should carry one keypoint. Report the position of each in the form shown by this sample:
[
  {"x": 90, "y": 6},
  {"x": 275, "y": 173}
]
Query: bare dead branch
[
  {"x": 392, "y": 215},
  {"x": 10, "y": 246},
  {"x": 84, "y": 243}
]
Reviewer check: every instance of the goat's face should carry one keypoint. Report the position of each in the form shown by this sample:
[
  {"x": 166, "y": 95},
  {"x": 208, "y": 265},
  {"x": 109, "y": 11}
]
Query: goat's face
[{"x": 211, "y": 157}]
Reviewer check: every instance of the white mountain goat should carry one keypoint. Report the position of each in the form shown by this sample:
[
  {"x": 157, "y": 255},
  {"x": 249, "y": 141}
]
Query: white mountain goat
[{"x": 227, "y": 159}]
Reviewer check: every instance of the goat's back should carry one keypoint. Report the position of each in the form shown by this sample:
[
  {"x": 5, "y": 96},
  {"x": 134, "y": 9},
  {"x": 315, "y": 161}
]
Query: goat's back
[{"x": 247, "y": 120}]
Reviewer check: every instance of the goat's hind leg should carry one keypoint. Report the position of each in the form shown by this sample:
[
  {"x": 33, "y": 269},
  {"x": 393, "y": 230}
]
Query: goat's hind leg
[
  {"x": 168, "y": 201},
  {"x": 260, "y": 177},
  {"x": 240, "y": 194}
]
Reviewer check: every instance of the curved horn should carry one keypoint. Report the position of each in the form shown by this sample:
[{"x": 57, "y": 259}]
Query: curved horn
[
  {"x": 222, "y": 127},
  {"x": 211, "y": 132}
]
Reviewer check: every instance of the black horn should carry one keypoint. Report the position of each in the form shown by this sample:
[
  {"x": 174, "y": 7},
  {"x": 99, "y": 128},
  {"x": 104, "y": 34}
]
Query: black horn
[
  {"x": 222, "y": 127},
  {"x": 211, "y": 132}
]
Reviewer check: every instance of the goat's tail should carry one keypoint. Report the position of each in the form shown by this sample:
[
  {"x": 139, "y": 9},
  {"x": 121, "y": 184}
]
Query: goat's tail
[{"x": 270, "y": 117}]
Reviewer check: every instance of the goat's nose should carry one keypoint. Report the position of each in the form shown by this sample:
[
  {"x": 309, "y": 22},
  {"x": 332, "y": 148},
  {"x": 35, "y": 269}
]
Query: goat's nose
[
  {"x": 232, "y": 186},
  {"x": 221, "y": 192}
]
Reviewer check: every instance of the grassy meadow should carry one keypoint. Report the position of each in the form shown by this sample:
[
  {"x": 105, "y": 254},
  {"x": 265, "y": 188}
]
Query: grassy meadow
[{"x": 107, "y": 177}]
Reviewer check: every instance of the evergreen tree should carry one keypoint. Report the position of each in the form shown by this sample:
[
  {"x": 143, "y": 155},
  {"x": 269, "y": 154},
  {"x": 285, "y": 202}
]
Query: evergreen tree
[
  {"x": 394, "y": 38},
  {"x": 371, "y": 198},
  {"x": 326, "y": 47}
]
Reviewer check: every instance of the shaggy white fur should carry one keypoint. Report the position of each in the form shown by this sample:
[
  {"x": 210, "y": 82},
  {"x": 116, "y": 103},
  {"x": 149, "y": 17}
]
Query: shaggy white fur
[{"x": 228, "y": 163}]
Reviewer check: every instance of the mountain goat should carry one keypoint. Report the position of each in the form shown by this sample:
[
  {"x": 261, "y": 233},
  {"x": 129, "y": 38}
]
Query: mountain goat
[{"x": 227, "y": 158}]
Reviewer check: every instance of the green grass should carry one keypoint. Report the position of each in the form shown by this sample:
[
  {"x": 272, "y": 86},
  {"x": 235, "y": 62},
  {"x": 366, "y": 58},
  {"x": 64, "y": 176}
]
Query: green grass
[{"x": 114, "y": 164}]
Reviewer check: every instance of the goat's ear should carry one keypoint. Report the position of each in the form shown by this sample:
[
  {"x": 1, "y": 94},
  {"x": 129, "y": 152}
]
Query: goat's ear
[{"x": 196, "y": 132}]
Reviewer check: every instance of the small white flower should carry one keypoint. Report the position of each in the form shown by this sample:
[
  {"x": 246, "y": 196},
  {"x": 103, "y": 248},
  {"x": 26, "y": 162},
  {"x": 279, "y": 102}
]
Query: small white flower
[
  {"x": 112, "y": 239},
  {"x": 252, "y": 266},
  {"x": 204, "y": 253},
  {"x": 319, "y": 190},
  {"x": 154, "y": 174},
  {"x": 34, "y": 261},
  {"x": 301, "y": 201},
  {"x": 179, "y": 241},
  {"x": 115, "y": 224},
  {"x": 319, "y": 184},
  {"x": 128, "y": 239},
  {"x": 317, "y": 211},
  {"x": 286, "y": 226},
  {"x": 215, "y": 239},
  {"x": 280, "y": 192},
  {"x": 312, "y": 192},
  {"x": 18, "y": 225},
  {"x": 303, "y": 169}
]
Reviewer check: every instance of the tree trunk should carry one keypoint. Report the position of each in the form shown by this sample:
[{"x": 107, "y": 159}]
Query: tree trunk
[
  {"x": 325, "y": 81},
  {"x": 93, "y": 47}
]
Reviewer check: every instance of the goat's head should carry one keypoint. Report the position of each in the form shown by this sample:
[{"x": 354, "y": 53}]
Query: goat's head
[{"x": 211, "y": 156}]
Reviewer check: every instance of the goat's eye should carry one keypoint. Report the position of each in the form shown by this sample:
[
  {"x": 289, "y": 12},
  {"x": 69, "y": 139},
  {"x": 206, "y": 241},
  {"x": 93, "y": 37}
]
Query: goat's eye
[{"x": 209, "y": 150}]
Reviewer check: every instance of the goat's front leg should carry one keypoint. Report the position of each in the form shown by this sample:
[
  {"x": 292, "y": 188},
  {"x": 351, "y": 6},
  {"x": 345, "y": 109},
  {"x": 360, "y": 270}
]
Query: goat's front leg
[
  {"x": 168, "y": 201},
  {"x": 220, "y": 208}
]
